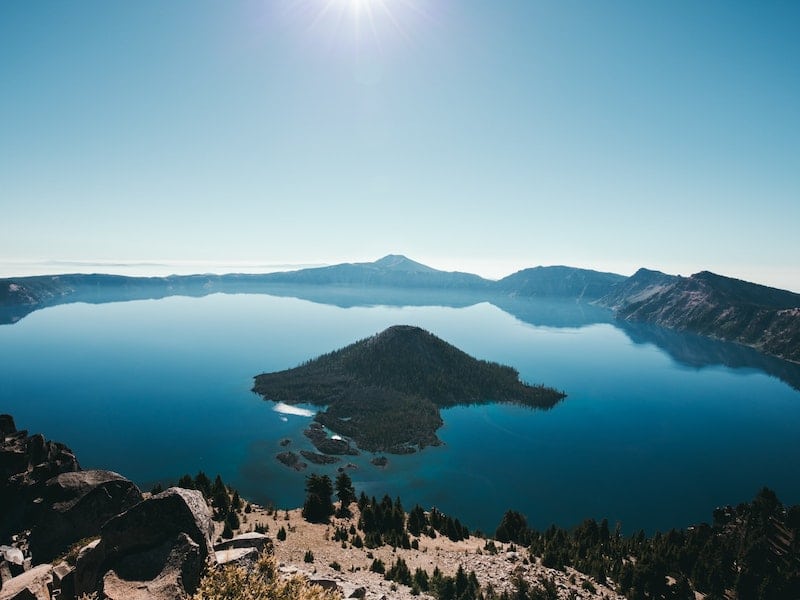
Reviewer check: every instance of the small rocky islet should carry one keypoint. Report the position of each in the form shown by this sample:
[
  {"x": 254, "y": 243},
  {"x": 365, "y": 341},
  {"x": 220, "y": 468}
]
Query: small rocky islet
[{"x": 384, "y": 393}]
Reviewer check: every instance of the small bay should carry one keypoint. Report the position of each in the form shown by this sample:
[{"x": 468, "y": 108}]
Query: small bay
[{"x": 657, "y": 429}]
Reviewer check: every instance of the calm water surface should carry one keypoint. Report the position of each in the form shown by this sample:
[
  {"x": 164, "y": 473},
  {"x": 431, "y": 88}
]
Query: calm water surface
[{"x": 157, "y": 388}]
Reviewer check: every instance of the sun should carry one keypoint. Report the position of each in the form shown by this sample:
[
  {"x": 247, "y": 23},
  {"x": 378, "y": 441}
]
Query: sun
[
  {"x": 373, "y": 26},
  {"x": 359, "y": 5}
]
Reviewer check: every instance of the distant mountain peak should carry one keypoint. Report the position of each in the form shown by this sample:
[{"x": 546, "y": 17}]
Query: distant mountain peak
[{"x": 398, "y": 262}]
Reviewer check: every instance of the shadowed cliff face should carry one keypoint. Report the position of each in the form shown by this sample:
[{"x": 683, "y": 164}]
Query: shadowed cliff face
[{"x": 719, "y": 307}]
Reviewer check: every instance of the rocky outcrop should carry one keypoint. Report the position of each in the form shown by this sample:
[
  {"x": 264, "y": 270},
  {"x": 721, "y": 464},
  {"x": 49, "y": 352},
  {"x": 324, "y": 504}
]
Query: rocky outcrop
[
  {"x": 714, "y": 306},
  {"x": 157, "y": 549},
  {"x": 63, "y": 580},
  {"x": 75, "y": 506},
  {"x": 31, "y": 585},
  {"x": 290, "y": 459},
  {"x": 242, "y": 550},
  {"x": 319, "y": 459},
  {"x": 26, "y": 462},
  {"x": 7, "y": 425},
  {"x": 316, "y": 433},
  {"x": 637, "y": 288}
]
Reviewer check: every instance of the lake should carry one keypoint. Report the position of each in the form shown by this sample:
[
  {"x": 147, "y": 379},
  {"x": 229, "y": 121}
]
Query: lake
[{"x": 658, "y": 428}]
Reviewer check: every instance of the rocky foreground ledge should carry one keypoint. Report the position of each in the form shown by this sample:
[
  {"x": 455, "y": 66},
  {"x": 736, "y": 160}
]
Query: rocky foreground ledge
[
  {"x": 67, "y": 532},
  {"x": 70, "y": 534}
]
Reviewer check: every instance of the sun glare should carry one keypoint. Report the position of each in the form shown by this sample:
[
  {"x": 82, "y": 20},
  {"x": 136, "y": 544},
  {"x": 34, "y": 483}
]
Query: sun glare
[
  {"x": 358, "y": 5},
  {"x": 377, "y": 23}
]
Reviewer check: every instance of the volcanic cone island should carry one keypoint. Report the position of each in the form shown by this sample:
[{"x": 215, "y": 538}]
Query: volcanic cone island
[{"x": 385, "y": 392}]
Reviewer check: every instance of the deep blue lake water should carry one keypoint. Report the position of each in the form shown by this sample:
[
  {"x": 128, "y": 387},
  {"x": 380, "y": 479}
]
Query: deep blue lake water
[{"x": 657, "y": 429}]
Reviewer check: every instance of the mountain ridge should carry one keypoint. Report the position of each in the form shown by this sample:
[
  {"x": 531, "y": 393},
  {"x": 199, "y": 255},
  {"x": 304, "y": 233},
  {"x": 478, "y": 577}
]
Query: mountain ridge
[
  {"x": 724, "y": 308},
  {"x": 765, "y": 318}
]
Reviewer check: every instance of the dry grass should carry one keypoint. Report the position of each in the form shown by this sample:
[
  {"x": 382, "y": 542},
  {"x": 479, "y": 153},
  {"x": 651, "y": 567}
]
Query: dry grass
[{"x": 497, "y": 570}]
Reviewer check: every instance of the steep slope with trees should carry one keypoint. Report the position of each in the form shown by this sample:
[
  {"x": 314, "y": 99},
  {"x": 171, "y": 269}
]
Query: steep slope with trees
[
  {"x": 765, "y": 318},
  {"x": 385, "y": 391}
]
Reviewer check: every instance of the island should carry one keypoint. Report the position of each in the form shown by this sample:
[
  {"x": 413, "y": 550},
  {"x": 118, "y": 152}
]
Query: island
[{"x": 384, "y": 392}]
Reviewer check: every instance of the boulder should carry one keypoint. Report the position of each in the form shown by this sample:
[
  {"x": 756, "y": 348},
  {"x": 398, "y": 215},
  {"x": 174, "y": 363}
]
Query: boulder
[
  {"x": 5, "y": 573},
  {"x": 12, "y": 562},
  {"x": 12, "y": 555},
  {"x": 31, "y": 585},
  {"x": 159, "y": 547},
  {"x": 242, "y": 550},
  {"x": 326, "y": 584},
  {"x": 241, "y": 557},
  {"x": 171, "y": 570},
  {"x": 7, "y": 425},
  {"x": 63, "y": 580},
  {"x": 75, "y": 506},
  {"x": 25, "y": 463},
  {"x": 259, "y": 541}
]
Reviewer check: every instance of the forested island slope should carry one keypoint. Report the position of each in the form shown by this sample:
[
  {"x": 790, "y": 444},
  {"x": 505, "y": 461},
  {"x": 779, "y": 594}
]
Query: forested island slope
[{"x": 385, "y": 392}]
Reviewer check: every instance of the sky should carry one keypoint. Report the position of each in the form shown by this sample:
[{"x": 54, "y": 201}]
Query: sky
[{"x": 199, "y": 135}]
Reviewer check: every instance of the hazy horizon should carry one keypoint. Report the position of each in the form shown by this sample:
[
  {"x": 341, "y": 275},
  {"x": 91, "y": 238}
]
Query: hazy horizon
[
  {"x": 165, "y": 268},
  {"x": 469, "y": 136}
]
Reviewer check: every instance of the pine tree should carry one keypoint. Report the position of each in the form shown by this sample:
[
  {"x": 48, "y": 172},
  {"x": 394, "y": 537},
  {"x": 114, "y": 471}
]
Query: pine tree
[
  {"x": 344, "y": 489},
  {"x": 318, "y": 506}
]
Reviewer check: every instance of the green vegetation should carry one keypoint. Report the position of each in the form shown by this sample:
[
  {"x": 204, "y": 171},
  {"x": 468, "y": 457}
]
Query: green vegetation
[
  {"x": 261, "y": 583},
  {"x": 318, "y": 506},
  {"x": 385, "y": 392},
  {"x": 751, "y": 551},
  {"x": 346, "y": 494}
]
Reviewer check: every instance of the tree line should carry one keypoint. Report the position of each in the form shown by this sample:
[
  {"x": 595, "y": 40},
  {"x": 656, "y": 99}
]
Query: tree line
[{"x": 751, "y": 551}]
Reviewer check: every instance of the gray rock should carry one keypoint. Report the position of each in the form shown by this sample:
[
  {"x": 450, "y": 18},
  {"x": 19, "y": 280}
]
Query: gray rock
[
  {"x": 7, "y": 425},
  {"x": 169, "y": 571},
  {"x": 75, "y": 506},
  {"x": 242, "y": 557},
  {"x": 325, "y": 584},
  {"x": 359, "y": 592},
  {"x": 31, "y": 585},
  {"x": 259, "y": 541},
  {"x": 12, "y": 555},
  {"x": 25, "y": 463},
  {"x": 64, "y": 580},
  {"x": 160, "y": 545},
  {"x": 5, "y": 573}
]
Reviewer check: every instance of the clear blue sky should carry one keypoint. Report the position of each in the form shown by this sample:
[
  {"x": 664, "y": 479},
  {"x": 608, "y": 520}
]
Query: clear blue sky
[{"x": 483, "y": 136}]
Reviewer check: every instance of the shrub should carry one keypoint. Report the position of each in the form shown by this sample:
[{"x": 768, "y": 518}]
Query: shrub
[
  {"x": 261, "y": 583},
  {"x": 378, "y": 566}
]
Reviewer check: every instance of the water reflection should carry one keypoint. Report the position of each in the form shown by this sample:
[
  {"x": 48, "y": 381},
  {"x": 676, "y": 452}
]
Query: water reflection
[
  {"x": 685, "y": 348},
  {"x": 695, "y": 351}
]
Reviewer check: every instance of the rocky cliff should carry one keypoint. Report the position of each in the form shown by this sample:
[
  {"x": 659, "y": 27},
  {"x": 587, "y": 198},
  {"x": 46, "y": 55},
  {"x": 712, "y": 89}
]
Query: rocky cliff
[
  {"x": 762, "y": 317},
  {"x": 122, "y": 545}
]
